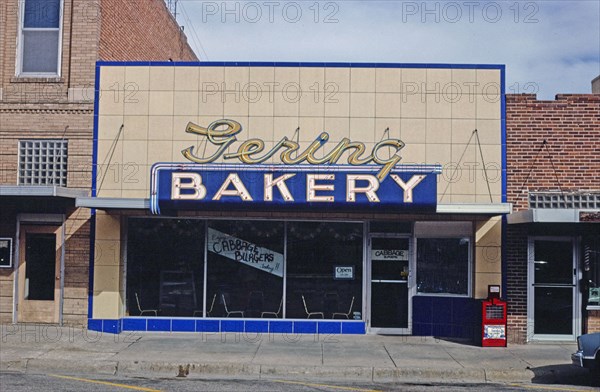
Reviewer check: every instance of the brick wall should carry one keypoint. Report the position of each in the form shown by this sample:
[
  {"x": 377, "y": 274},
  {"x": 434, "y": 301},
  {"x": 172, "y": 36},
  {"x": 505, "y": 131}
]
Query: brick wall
[
  {"x": 42, "y": 108},
  {"x": 593, "y": 321},
  {"x": 141, "y": 30},
  {"x": 571, "y": 126},
  {"x": 516, "y": 282},
  {"x": 38, "y": 121}
]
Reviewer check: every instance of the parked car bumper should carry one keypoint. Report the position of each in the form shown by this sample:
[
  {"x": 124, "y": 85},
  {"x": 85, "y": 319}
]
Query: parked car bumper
[
  {"x": 588, "y": 351},
  {"x": 579, "y": 360}
]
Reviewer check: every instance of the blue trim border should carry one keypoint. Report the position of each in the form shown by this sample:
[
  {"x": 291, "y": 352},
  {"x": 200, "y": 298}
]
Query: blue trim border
[
  {"x": 294, "y": 64},
  {"x": 94, "y": 185},
  {"x": 218, "y": 325}
]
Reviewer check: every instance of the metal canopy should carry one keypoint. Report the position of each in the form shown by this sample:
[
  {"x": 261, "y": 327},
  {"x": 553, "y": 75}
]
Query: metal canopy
[
  {"x": 140, "y": 204},
  {"x": 475, "y": 208},
  {"x": 109, "y": 203},
  {"x": 40, "y": 191},
  {"x": 548, "y": 215}
]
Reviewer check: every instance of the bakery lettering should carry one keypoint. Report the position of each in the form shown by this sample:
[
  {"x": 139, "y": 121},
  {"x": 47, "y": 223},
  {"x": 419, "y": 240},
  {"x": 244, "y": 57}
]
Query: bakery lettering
[{"x": 319, "y": 187}]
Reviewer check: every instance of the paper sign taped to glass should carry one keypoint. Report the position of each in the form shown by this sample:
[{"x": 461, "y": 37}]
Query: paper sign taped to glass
[
  {"x": 594, "y": 296},
  {"x": 245, "y": 252},
  {"x": 389, "y": 254}
]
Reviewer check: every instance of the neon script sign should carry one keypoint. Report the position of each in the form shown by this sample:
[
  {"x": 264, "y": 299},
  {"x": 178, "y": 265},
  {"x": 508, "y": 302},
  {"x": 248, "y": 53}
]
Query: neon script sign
[{"x": 222, "y": 133}]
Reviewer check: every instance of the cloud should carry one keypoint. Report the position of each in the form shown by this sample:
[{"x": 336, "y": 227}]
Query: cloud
[{"x": 554, "y": 45}]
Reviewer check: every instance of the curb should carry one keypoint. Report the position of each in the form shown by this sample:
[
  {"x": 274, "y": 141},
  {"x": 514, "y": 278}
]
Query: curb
[
  {"x": 191, "y": 370},
  {"x": 257, "y": 372},
  {"x": 98, "y": 367},
  {"x": 428, "y": 374},
  {"x": 14, "y": 365},
  {"x": 355, "y": 373},
  {"x": 509, "y": 375}
]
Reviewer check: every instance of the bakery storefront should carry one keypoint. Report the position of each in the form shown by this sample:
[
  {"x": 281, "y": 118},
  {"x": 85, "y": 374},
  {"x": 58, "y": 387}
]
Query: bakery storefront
[{"x": 296, "y": 198}]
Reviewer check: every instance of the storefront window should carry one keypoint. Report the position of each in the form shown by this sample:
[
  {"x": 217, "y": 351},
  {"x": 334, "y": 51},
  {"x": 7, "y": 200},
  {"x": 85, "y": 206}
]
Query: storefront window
[
  {"x": 324, "y": 269},
  {"x": 165, "y": 267},
  {"x": 245, "y": 264},
  {"x": 443, "y": 265},
  {"x": 245, "y": 268}
]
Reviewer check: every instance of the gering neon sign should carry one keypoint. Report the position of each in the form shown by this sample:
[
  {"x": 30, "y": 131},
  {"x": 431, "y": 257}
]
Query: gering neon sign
[{"x": 249, "y": 151}]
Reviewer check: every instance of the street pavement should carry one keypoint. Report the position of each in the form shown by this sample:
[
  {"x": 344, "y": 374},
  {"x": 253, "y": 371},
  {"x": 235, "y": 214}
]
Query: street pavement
[
  {"x": 28, "y": 382},
  {"x": 367, "y": 358}
]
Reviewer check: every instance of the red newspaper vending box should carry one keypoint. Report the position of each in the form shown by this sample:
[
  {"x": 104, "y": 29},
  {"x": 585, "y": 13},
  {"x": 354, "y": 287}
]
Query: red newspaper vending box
[{"x": 493, "y": 319}]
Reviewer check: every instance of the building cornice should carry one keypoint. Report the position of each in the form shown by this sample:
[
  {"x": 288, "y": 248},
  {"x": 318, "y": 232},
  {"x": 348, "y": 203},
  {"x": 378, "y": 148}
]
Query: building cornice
[{"x": 50, "y": 109}]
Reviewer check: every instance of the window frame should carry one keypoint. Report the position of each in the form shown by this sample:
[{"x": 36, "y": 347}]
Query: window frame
[{"x": 21, "y": 42}]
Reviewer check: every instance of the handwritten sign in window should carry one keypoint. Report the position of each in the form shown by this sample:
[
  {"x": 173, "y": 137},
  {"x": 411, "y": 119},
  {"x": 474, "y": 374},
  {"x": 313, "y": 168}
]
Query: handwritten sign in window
[{"x": 245, "y": 252}]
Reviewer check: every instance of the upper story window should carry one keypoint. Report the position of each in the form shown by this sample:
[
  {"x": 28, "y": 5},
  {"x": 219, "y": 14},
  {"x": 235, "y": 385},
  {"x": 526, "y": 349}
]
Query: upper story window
[
  {"x": 40, "y": 38},
  {"x": 43, "y": 162}
]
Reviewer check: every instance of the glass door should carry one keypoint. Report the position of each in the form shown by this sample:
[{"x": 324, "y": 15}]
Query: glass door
[
  {"x": 552, "y": 296},
  {"x": 390, "y": 277}
]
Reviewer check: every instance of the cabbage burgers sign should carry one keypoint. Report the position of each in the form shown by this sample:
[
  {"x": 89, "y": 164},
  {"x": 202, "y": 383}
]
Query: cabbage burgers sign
[{"x": 314, "y": 177}]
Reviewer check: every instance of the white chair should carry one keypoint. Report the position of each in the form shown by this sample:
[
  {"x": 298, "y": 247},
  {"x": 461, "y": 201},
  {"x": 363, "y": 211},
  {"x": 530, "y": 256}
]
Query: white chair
[
  {"x": 137, "y": 300},
  {"x": 309, "y": 314},
  {"x": 347, "y": 315},
  {"x": 212, "y": 305},
  {"x": 230, "y": 312},
  {"x": 276, "y": 314}
]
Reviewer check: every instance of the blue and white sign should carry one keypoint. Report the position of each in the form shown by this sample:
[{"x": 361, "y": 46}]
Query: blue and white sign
[
  {"x": 335, "y": 187},
  {"x": 494, "y": 332}
]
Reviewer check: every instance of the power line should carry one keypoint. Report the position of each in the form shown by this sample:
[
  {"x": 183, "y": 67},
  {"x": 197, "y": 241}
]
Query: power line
[{"x": 194, "y": 34}]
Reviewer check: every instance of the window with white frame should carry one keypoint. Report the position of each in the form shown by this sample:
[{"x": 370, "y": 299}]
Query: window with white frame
[
  {"x": 43, "y": 162},
  {"x": 40, "y": 38}
]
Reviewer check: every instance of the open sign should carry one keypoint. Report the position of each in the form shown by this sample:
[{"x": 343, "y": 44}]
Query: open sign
[{"x": 343, "y": 272}]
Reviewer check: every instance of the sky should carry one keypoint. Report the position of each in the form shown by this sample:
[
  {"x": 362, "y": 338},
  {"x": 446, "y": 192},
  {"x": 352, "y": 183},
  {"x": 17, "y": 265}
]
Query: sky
[{"x": 548, "y": 47}]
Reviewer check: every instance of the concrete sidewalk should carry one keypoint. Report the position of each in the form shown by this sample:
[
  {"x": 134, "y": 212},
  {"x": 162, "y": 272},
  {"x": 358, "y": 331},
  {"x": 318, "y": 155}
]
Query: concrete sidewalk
[{"x": 35, "y": 348}]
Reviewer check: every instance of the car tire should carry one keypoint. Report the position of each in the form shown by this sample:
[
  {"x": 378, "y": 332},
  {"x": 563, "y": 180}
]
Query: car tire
[{"x": 596, "y": 372}]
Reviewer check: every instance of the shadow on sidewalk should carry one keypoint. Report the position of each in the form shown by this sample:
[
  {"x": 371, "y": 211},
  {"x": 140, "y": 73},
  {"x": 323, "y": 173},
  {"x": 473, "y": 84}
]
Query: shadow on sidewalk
[
  {"x": 461, "y": 341},
  {"x": 565, "y": 374}
]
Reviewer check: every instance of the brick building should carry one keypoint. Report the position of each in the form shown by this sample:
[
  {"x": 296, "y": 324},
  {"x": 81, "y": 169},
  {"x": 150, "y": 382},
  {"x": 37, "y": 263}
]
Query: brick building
[
  {"x": 48, "y": 54},
  {"x": 553, "y": 235}
]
